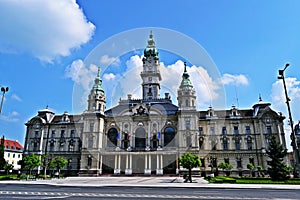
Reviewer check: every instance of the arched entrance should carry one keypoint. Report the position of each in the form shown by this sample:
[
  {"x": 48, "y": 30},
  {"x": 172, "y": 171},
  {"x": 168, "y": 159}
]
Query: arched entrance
[
  {"x": 112, "y": 137},
  {"x": 169, "y": 137},
  {"x": 140, "y": 138}
]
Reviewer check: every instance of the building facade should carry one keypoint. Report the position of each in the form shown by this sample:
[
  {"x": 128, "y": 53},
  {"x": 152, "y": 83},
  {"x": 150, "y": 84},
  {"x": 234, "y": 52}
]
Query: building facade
[
  {"x": 149, "y": 135},
  {"x": 13, "y": 152}
]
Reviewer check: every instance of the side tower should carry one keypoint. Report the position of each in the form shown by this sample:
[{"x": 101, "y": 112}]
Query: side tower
[
  {"x": 97, "y": 99},
  {"x": 151, "y": 75},
  {"x": 93, "y": 129},
  {"x": 187, "y": 115}
]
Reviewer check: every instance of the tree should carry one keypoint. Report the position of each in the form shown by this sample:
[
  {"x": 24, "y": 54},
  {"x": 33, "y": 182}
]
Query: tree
[
  {"x": 31, "y": 161},
  {"x": 190, "y": 161},
  {"x": 58, "y": 162},
  {"x": 225, "y": 166},
  {"x": 277, "y": 168},
  {"x": 8, "y": 167},
  {"x": 2, "y": 159},
  {"x": 45, "y": 163},
  {"x": 250, "y": 166}
]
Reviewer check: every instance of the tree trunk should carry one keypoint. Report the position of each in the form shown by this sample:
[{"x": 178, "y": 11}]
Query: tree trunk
[{"x": 190, "y": 175}]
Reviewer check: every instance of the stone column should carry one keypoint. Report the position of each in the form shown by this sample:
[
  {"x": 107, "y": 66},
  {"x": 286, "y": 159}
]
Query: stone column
[
  {"x": 159, "y": 170},
  {"x": 100, "y": 165},
  {"x": 147, "y": 170},
  {"x": 128, "y": 171},
  {"x": 116, "y": 170}
]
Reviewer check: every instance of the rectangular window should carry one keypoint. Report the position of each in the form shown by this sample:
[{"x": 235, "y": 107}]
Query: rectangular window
[
  {"x": 90, "y": 142},
  {"x": 269, "y": 130},
  {"x": 188, "y": 125},
  {"x": 237, "y": 144},
  {"x": 36, "y": 134},
  {"x": 14, "y": 155},
  {"x": 72, "y": 134},
  {"x": 62, "y": 134},
  {"x": 224, "y": 131},
  {"x": 249, "y": 143},
  {"x": 248, "y": 130},
  {"x": 53, "y": 134},
  {"x": 235, "y": 130},
  {"x": 91, "y": 127},
  {"x": 239, "y": 162},
  {"x": 214, "y": 162},
  {"x": 202, "y": 162},
  {"x": 251, "y": 160},
  {"x": 226, "y": 160},
  {"x": 212, "y": 130},
  {"x": 200, "y": 130},
  {"x": 225, "y": 144}
]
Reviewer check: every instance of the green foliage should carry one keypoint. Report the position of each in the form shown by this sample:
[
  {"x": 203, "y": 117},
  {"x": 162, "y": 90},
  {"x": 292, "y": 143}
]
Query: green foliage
[
  {"x": 259, "y": 168},
  {"x": 225, "y": 166},
  {"x": 277, "y": 168},
  {"x": 58, "y": 163},
  {"x": 31, "y": 161},
  {"x": 190, "y": 161},
  {"x": 8, "y": 167},
  {"x": 2, "y": 159},
  {"x": 250, "y": 166}
]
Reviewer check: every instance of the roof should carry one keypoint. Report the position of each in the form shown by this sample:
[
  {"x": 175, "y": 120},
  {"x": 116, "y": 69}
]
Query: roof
[
  {"x": 165, "y": 106},
  {"x": 12, "y": 145}
]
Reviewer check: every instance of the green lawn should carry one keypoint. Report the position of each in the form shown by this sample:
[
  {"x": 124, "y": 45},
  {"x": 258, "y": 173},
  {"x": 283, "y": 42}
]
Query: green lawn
[{"x": 250, "y": 180}]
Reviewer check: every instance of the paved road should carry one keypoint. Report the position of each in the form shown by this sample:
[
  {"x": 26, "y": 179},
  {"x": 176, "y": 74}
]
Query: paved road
[
  {"x": 141, "y": 188},
  {"x": 40, "y": 191}
]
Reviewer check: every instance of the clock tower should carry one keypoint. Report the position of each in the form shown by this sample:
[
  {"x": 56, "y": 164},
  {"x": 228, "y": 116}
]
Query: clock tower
[{"x": 151, "y": 75}]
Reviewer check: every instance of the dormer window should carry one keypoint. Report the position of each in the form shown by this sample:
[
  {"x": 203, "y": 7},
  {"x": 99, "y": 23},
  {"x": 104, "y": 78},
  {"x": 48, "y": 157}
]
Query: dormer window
[
  {"x": 234, "y": 112},
  {"x": 210, "y": 112}
]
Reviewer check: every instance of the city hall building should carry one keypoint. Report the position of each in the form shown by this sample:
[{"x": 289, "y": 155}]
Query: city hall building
[{"x": 149, "y": 135}]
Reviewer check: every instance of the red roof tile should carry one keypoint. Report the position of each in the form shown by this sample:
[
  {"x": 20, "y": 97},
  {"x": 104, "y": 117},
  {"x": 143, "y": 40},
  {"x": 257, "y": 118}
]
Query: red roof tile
[{"x": 12, "y": 144}]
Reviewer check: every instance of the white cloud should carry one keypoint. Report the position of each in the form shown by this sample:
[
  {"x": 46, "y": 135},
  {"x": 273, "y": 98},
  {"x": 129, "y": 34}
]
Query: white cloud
[
  {"x": 229, "y": 79},
  {"x": 278, "y": 96},
  {"x": 11, "y": 117},
  {"x": 106, "y": 60},
  {"x": 80, "y": 74},
  {"x": 109, "y": 76},
  {"x": 16, "y": 97},
  {"x": 83, "y": 76},
  {"x": 47, "y": 29}
]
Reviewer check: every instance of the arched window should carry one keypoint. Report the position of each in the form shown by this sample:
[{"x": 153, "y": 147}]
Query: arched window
[
  {"x": 140, "y": 138},
  {"x": 169, "y": 137},
  {"x": 112, "y": 137}
]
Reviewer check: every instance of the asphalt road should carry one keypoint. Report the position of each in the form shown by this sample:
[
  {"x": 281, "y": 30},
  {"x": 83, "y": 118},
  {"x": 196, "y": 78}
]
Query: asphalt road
[{"x": 18, "y": 191}]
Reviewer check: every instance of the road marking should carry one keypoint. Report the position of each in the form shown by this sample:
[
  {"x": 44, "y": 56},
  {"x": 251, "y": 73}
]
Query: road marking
[{"x": 50, "y": 195}]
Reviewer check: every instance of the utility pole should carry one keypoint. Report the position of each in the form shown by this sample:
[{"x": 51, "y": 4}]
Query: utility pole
[{"x": 293, "y": 136}]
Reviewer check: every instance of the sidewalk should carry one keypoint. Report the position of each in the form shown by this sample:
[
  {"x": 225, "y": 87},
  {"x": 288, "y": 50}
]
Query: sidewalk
[{"x": 162, "y": 181}]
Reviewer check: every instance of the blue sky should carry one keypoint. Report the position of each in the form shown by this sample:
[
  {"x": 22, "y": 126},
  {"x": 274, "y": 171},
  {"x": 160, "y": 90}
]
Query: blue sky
[{"x": 44, "y": 46}]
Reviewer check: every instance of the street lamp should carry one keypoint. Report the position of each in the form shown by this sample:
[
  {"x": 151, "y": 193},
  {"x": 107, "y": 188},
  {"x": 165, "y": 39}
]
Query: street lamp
[
  {"x": 293, "y": 136},
  {"x": 3, "y": 90}
]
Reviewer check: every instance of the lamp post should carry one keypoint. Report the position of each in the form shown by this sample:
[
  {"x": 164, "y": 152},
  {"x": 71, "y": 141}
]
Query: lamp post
[
  {"x": 3, "y": 90},
  {"x": 293, "y": 136}
]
